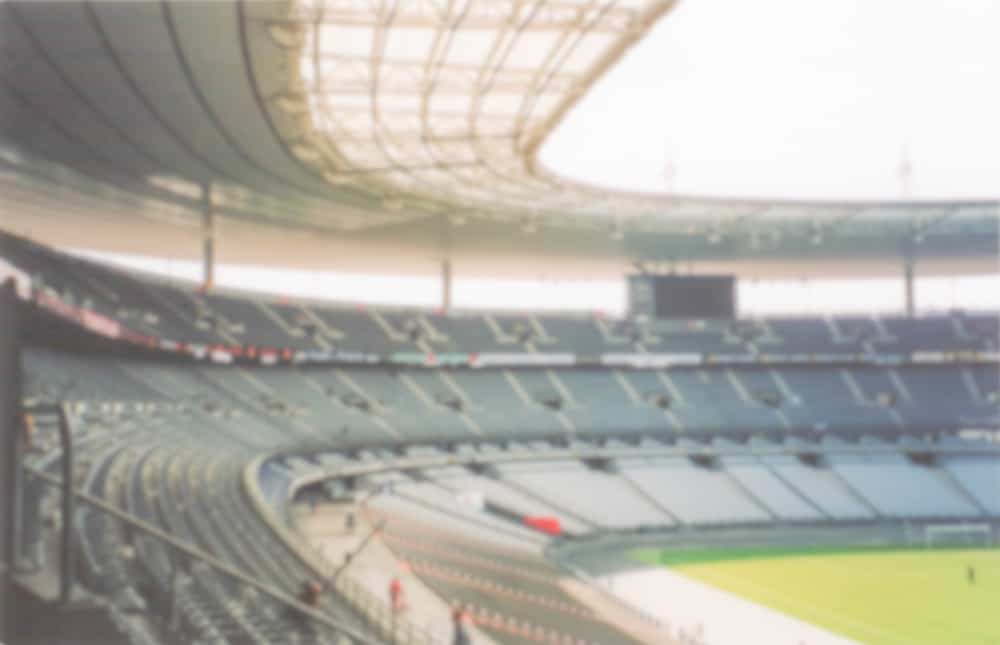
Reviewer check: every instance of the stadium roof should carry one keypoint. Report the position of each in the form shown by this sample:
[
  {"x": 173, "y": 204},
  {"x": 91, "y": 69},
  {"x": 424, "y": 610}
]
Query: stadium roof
[{"x": 410, "y": 125}]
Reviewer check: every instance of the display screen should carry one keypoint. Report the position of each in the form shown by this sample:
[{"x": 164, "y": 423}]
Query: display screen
[{"x": 675, "y": 296}]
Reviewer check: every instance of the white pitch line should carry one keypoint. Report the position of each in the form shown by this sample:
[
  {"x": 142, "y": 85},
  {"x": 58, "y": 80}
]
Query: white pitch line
[{"x": 723, "y": 618}]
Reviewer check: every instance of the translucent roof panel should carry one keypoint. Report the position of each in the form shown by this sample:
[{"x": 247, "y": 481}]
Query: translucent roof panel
[
  {"x": 441, "y": 106},
  {"x": 446, "y": 102}
]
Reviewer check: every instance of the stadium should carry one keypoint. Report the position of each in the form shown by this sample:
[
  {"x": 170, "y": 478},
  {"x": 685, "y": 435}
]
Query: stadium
[{"x": 194, "y": 459}]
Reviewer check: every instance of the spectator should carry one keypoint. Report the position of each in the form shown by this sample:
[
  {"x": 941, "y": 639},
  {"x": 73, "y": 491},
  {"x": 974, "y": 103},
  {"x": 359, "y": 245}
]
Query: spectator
[
  {"x": 458, "y": 619},
  {"x": 309, "y": 596},
  {"x": 397, "y": 600}
]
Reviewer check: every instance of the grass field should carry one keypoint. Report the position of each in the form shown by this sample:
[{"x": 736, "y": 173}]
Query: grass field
[{"x": 881, "y": 597}]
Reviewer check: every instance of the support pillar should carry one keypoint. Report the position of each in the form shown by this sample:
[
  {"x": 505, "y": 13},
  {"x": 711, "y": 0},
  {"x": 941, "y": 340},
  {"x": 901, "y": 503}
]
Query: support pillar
[
  {"x": 446, "y": 286},
  {"x": 67, "y": 566},
  {"x": 909, "y": 269},
  {"x": 208, "y": 238},
  {"x": 10, "y": 445}
]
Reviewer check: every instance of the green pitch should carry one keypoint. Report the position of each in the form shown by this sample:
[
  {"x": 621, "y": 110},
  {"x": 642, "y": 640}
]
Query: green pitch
[{"x": 879, "y": 597}]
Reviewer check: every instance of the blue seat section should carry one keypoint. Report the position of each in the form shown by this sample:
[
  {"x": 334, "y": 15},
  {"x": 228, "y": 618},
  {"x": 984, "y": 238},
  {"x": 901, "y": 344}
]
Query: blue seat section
[
  {"x": 670, "y": 481},
  {"x": 305, "y": 331},
  {"x": 182, "y": 304},
  {"x": 935, "y": 395},
  {"x": 165, "y": 310},
  {"x": 600, "y": 401},
  {"x": 470, "y": 333},
  {"x": 440, "y": 341},
  {"x": 142, "y": 305},
  {"x": 253, "y": 326},
  {"x": 980, "y": 476},
  {"x": 821, "y": 485},
  {"x": 803, "y": 336},
  {"x": 915, "y": 491},
  {"x": 559, "y": 483},
  {"x": 987, "y": 380},
  {"x": 769, "y": 490},
  {"x": 537, "y": 384},
  {"x": 857, "y": 329},
  {"x": 496, "y": 405},
  {"x": 913, "y": 334},
  {"x": 985, "y": 326},
  {"x": 357, "y": 331},
  {"x": 712, "y": 402},
  {"x": 824, "y": 401},
  {"x": 57, "y": 376},
  {"x": 407, "y": 330},
  {"x": 575, "y": 335},
  {"x": 758, "y": 384},
  {"x": 694, "y": 341},
  {"x": 400, "y": 404},
  {"x": 48, "y": 267},
  {"x": 648, "y": 384},
  {"x": 310, "y": 402},
  {"x": 515, "y": 325}
]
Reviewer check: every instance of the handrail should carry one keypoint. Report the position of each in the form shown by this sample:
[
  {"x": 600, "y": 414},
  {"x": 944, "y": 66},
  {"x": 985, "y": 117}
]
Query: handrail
[
  {"x": 355, "y": 469},
  {"x": 362, "y": 601},
  {"x": 67, "y": 566},
  {"x": 210, "y": 560}
]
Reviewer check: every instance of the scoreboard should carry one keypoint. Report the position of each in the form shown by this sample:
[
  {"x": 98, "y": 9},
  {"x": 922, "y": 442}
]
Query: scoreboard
[{"x": 682, "y": 296}]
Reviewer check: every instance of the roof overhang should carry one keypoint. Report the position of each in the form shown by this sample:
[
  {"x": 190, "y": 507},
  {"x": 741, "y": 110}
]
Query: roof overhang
[{"x": 408, "y": 131}]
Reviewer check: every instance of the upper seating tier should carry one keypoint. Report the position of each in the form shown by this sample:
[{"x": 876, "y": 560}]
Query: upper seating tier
[{"x": 155, "y": 309}]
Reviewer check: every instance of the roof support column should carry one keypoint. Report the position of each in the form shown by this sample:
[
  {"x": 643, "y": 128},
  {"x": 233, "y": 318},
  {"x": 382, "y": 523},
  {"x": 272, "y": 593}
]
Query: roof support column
[
  {"x": 207, "y": 237},
  {"x": 446, "y": 286},
  {"x": 10, "y": 447},
  {"x": 909, "y": 271}
]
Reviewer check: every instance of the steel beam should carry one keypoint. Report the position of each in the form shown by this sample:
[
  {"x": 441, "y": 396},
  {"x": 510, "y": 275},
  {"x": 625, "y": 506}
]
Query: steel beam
[
  {"x": 478, "y": 15},
  {"x": 208, "y": 238},
  {"x": 909, "y": 276}
]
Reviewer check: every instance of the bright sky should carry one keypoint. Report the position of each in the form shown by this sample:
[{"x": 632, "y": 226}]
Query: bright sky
[
  {"x": 801, "y": 98},
  {"x": 755, "y": 297}
]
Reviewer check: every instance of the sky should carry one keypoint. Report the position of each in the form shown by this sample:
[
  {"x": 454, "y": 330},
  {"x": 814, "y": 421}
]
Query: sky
[
  {"x": 755, "y": 297},
  {"x": 798, "y": 98}
]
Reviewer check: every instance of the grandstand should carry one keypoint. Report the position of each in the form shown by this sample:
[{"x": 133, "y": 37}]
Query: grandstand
[{"x": 180, "y": 459}]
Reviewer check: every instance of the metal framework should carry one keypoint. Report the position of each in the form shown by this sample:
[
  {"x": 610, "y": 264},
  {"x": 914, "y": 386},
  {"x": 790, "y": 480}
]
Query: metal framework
[
  {"x": 440, "y": 107},
  {"x": 443, "y": 104}
]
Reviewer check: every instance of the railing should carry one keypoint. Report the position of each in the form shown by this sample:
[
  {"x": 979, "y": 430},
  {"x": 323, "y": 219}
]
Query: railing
[
  {"x": 379, "y": 616},
  {"x": 396, "y": 630},
  {"x": 194, "y": 553},
  {"x": 30, "y": 415},
  {"x": 376, "y": 614}
]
